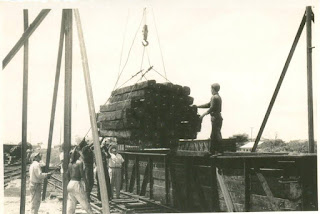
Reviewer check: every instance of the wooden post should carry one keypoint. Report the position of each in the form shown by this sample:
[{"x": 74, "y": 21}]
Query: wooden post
[
  {"x": 151, "y": 177},
  {"x": 167, "y": 182},
  {"x": 309, "y": 79},
  {"x": 199, "y": 189},
  {"x": 214, "y": 186},
  {"x": 132, "y": 178},
  {"x": 25, "y": 36},
  {"x": 247, "y": 183},
  {"x": 95, "y": 135},
  {"x": 54, "y": 103},
  {"x": 276, "y": 91},
  {"x": 267, "y": 190},
  {"x": 24, "y": 118},
  {"x": 126, "y": 160},
  {"x": 189, "y": 202},
  {"x": 137, "y": 175},
  {"x": 67, "y": 102},
  {"x": 225, "y": 192}
]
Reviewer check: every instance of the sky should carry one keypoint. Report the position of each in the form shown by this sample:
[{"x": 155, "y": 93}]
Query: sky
[{"x": 242, "y": 45}]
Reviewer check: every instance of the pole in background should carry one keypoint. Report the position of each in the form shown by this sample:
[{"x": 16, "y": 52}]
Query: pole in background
[
  {"x": 310, "y": 17},
  {"x": 276, "y": 91},
  {"x": 24, "y": 117},
  {"x": 54, "y": 104}
]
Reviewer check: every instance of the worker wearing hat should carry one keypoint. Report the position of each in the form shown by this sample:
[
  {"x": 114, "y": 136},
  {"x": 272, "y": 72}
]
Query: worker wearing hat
[
  {"x": 36, "y": 179},
  {"x": 115, "y": 165},
  {"x": 105, "y": 156},
  {"x": 216, "y": 119}
]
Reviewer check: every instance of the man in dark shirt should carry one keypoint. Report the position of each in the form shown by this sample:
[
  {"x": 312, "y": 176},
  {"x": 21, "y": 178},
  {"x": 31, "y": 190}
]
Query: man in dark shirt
[
  {"x": 105, "y": 156},
  {"x": 216, "y": 119},
  {"x": 87, "y": 156}
]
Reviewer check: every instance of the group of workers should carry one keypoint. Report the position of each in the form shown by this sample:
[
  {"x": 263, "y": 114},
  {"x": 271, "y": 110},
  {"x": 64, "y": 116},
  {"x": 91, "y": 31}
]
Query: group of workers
[
  {"x": 81, "y": 166},
  {"x": 80, "y": 175}
]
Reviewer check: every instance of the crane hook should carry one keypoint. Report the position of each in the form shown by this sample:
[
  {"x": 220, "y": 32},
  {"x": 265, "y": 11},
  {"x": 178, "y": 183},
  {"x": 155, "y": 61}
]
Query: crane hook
[{"x": 145, "y": 35}]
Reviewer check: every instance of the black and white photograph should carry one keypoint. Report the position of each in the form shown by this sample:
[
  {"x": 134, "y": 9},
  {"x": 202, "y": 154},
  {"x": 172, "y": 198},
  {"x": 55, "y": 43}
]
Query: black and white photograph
[{"x": 149, "y": 106}]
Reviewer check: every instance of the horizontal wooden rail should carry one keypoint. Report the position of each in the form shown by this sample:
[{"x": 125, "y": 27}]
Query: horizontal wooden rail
[{"x": 144, "y": 154}]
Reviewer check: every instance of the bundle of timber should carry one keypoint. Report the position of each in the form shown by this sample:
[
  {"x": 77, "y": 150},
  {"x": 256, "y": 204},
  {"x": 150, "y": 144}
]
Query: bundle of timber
[{"x": 150, "y": 114}]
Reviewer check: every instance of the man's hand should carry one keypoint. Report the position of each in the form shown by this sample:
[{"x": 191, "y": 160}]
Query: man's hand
[{"x": 49, "y": 175}]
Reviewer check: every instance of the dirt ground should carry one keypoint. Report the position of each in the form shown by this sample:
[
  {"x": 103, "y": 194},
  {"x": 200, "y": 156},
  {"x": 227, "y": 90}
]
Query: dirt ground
[{"x": 12, "y": 200}]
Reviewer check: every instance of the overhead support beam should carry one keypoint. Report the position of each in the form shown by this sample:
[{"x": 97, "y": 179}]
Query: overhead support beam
[
  {"x": 54, "y": 104},
  {"x": 284, "y": 71},
  {"x": 67, "y": 102},
  {"x": 309, "y": 18},
  {"x": 24, "y": 116},
  {"x": 25, "y": 36},
  {"x": 95, "y": 136}
]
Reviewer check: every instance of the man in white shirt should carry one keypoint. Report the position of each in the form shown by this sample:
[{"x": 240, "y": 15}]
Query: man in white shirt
[
  {"x": 115, "y": 165},
  {"x": 36, "y": 179}
]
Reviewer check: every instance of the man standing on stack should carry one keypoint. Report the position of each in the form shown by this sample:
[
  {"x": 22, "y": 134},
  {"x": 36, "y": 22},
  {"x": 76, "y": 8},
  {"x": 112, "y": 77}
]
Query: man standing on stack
[
  {"x": 36, "y": 179},
  {"x": 216, "y": 119},
  {"x": 87, "y": 155}
]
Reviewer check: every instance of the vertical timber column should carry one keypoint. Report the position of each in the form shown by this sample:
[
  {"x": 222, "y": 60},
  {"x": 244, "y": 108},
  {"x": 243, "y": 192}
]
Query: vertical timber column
[
  {"x": 54, "y": 103},
  {"x": 151, "y": 177},
  {"x": 214, "y": 185},
  {"x": 309, "y": 15},
  {"x": 126, "y": 160},
  {"x": 167, "y": 182},
  {"x": 137, "y": 175},
  {"x": 67, "y": 102},
  {"x": 92, "y": 114},
  {"x": 247, "y": 183},
  {"x": 24, "y": 118}
]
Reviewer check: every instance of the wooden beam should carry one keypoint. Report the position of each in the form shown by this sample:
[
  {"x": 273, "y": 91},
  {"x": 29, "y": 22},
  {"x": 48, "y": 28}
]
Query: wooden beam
[
  {"x": 95, "y": 135},
  {"x": 276, "y": 91},
  {"x": 199, "y": 189},
  {"x": 24, "y": 117},
  {"x": 151, "y": 177},
  {"x": 137, "y": 174},
  {"x": 67, "y": 102},
  {"x": 309, "y": 18},
  {"x": 247, "y": 187},
  {"x": 267, "y": 190},
  {"x": 225, "y": 192},
  {"x": 167, "y": 182},
  {"x": 132, "y": 178},
  {"x": 187, "y": 175},
  {"x": 214, "y": 186},
  {"x": 145, "y": 181},
  {"x": 25, "y": 36},
  {"x": 177, "y": 197},
  {"x": 126, "y": 160},
  {"x": 54, "y": 104}
]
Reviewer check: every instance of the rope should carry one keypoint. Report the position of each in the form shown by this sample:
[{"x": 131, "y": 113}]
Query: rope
[
  {"x": 161, "y": 75},
  {"x": 128, "y": 54},
  {"x": 124, "y": 36},
  {"x": 155, "y": 24}
]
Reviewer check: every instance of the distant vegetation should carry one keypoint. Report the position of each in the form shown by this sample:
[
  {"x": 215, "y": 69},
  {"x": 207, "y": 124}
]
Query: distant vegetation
[
  {"x": 292, "y": 147},
  {"x": 275, "y": 145}
]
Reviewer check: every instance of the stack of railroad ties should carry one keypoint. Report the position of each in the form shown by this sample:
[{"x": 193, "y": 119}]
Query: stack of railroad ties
[{"x": 150, "y": 114}]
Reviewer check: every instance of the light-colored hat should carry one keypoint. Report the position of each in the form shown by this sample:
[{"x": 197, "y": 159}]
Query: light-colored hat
[
  {"x": 113, "y": 146},
  {"x": 34, "y": 155}
]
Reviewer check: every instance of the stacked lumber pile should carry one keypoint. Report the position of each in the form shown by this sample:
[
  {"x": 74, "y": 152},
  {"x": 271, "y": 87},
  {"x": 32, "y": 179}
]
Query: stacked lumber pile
[{"x": 150, "y": 114}]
